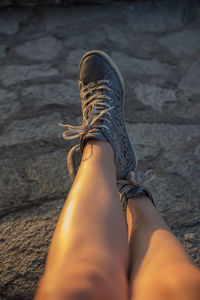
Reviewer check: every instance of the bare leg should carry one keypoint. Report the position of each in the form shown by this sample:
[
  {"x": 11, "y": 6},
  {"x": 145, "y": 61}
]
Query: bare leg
[
  {"x": 88, "y": 256},
  {"x": 160, "y": 269}
]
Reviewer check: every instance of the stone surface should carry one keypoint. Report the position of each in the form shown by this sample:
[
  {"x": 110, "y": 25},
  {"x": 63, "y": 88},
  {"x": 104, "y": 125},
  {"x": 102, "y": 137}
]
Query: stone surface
[
  {"x": 46, "y": 48},
  {"x": 133, "y": 43},
  {"x": 155, "y": 97},
  {"x": 156, "y": 46},
  {"x": 25, "y": 240},
  {"x": 8, "y": 103},
  {"x": 84, "y": 43},
  {"x": 9, "y": 20},
  {"x": 29, "y": 181},
  {"x": 42, "y": 170},
  {"x": 53, "y": 93},
  {"x": 24, "y": 131},
  {"x": 14, "y": 189},
  {"x": 197, "y": 152},
  {"x": 73, "y": 61},
  {"x": 168, "y": 137},
  {"x": 2, "y": 51},
  {"x": 62, "y": 17},
  {"x": 140, "y": 66},
  {"x": 164, "y": 16},
  {"x": 182, "y": 43},
  {"x": 13, "y": 74},
  {"x": 133, "y": 68},
  {"x": 170, "y": 105},
  {"x": 189, "y": 83},
  {"x": 189, "y": 238},
  {"x": 5, "y": 3}
]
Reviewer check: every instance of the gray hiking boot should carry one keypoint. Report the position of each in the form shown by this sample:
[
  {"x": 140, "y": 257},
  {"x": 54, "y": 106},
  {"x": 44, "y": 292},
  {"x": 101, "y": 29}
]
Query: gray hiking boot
[{"x": 102, "y": 91}]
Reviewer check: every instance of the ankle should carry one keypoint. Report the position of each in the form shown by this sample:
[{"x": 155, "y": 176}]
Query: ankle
[
  {"x": 98, "y": 148},
  {"x": 98, "y": 155}
]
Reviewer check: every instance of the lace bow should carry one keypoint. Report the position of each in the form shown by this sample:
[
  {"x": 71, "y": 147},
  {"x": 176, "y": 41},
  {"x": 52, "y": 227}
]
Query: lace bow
[
  {"x": 134, "y": 186},
  {"x": 138, "y": 178},
  {"x": 93, "y": 100}
]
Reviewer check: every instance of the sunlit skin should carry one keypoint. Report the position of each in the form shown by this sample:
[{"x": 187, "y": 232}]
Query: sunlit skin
[
  {"x": 93, "y": 256},
  {"x": 89, "y": 249},
  {"x": 159, "y": 267}
]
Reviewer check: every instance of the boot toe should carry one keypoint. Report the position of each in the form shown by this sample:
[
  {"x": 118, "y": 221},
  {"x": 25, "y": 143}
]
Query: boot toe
[{"x": 93, "y": 68}]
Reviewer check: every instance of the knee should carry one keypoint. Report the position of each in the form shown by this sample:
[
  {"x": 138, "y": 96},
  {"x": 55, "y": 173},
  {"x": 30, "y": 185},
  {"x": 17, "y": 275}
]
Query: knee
[
  {"x": 85, "y": 286},
  {"x": 176, "y": 282},
  {"x": 181, "y": 282},
  {"x": 186, "y": 284},
  {"x": 65, "y": 290}
]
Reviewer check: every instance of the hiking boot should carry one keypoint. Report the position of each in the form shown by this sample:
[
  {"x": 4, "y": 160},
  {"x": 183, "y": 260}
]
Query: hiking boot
[{"x": 101, "y": 89}]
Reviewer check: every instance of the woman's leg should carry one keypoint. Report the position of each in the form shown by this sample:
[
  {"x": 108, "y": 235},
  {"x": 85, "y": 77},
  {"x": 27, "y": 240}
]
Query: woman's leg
[
  {"x": 88, "y": 256},
  {"x": 159, "y": 267}
]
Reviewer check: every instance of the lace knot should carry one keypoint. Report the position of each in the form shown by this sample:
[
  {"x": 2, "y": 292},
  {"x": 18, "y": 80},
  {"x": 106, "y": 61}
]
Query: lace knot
[
  {"x": 94, "y": 109},
  {"x": 133, "y": 186},
  {"x": 140, "y": 178}
]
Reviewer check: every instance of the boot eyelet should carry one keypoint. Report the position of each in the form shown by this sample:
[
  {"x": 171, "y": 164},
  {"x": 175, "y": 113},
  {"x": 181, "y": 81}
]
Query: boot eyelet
[
  {"x": 111, "y": 91},
  {"x": 110, "y": 83}
]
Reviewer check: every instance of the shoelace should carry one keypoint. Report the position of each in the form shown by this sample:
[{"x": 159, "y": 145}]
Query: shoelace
[
  {"x": 135, "y": 184},
  {"x": 93, "y": 101},
  {"x": 138, "y": 178}
]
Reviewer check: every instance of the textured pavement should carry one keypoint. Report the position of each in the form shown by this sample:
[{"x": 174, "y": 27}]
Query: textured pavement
[{"x": 157, "y": 48}]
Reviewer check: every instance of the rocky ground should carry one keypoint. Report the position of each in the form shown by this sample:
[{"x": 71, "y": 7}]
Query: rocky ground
[
  {"x": 157, "y": 47},
  {"x": 65, "y": 3}
]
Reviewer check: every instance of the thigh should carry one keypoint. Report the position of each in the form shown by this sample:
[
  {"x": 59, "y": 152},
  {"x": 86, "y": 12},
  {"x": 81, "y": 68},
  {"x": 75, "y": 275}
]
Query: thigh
[
  {"x": 85, "y": 282},
  {"x": 175, "y": 282}
]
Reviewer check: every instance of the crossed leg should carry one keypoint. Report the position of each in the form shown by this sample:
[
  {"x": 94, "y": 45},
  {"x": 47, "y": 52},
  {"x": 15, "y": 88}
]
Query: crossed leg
[
  {"x": 88, "y": 256},
  {"x": 89, "y": 252},
  {"x": 159, "y": 267}
]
